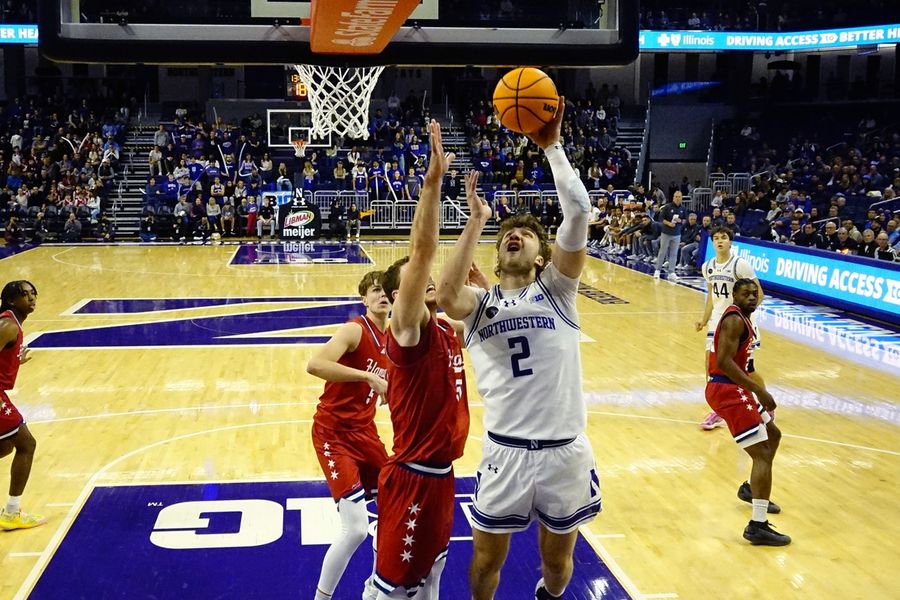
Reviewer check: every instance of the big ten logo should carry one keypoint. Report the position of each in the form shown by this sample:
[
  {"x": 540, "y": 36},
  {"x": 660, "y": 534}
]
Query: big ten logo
[
  {"x": 199, "y": 525},
  {"x": 299, "y": 247}
]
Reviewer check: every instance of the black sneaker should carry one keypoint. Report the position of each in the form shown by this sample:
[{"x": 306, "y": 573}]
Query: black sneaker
[
  {"x": 746, "y": 495},
  {"x": 762, "y": 534}
]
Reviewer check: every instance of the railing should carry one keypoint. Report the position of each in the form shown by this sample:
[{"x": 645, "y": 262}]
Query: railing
[
  {"x": 701, "y": 198},
  {"x": 710, "y": 150},
  {"x": 645, "y": 142}
]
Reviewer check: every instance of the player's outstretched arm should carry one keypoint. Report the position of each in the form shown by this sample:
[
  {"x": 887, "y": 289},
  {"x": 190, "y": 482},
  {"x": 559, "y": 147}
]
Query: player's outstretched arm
[
  {"x": 458, "y": 300},
  {"x": 409, "y": 312},
  {"x": 324, "y": 364},
  {"x": 570, "y": 249}
]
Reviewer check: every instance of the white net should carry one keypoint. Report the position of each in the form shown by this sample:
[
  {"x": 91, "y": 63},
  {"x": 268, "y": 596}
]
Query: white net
[{"x": 339, "y": 98}]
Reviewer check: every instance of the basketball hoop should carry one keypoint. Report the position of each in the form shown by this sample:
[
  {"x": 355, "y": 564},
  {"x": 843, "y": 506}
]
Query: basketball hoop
[
  {"x": 299, "y": 148},
  {"x": 339, "y": 98}
]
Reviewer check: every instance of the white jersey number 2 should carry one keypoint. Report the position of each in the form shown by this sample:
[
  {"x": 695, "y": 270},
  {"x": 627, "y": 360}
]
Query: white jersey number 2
[{"x": 520, "y": 342}]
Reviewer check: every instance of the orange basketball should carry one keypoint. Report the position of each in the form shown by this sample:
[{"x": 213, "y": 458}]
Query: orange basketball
[{"x": 525, "y": 99}]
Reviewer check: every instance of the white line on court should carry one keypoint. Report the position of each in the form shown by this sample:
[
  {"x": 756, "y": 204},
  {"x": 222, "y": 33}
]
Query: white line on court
[
  {"x": 23, "y": 554},
  {"x": 57, "y": 504}
]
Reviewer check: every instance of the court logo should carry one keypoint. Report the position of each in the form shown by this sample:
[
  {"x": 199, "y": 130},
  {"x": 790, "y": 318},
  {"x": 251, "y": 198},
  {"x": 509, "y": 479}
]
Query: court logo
[{"x": 252, "y": 540}]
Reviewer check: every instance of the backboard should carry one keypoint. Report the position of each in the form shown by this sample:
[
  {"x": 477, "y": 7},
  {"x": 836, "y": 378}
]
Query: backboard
[{"x": 439, "y": 32}]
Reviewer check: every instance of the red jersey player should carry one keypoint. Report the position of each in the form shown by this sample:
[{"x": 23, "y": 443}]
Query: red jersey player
[
  {"x": 16, "y": 302},
  {"x": 352, "y": 364},
  {"x": 728, "y": 393},
  {"x": 429, "y": 411}
]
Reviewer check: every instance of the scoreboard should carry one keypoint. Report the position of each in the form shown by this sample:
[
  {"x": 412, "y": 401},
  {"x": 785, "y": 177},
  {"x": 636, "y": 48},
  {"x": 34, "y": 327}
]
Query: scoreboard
[{"x": 296, "y": 89}]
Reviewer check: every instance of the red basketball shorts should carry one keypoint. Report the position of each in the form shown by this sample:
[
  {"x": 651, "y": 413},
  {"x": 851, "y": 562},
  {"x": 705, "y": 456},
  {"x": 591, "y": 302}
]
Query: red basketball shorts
[
  {"x": 10, "y": 419},
  {"x": 350, "y": 460},
  {"x": 415, "y": 518},
  {"x": 744, "y": 415}
]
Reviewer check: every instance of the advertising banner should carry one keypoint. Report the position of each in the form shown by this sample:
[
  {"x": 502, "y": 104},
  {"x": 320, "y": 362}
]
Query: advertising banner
[
  {"x": 780, "y": 41},
  {"x": 297, "y": 219},
  {"x": 860, "y": 285}
]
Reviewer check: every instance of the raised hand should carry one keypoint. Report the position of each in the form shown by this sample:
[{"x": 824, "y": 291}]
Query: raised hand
[
  {"x": 549, "y": 134},
  {"x": 477, "y": 278},
  {"x": 440, "y": 162},
  {"x": 478, "y": 208}
]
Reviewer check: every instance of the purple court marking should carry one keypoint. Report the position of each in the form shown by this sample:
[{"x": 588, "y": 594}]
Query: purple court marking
[
  {"x": 139, "y": 305},
  {"x": 256, "y": 540},
  {"x": 299, "y": 253},
  {"x": 260, "y": 325}
]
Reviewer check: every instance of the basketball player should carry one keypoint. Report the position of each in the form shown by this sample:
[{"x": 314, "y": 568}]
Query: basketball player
[
  {"x": 728, "y": 392},
  {"x": 429, "y": 410},
  {"x": 720, "y": 273},
  {"x": 352, "y": 364},
  {"x": 523, "y": 338},
  {"x": 17, "y": 301}
]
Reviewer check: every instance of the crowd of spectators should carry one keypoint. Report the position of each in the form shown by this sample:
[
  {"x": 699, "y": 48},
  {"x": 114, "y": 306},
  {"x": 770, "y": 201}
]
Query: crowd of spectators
[
  {"x": 509, "y": 161},
  {"x": 836, "y": 191},
  {"x": 58, "y": 159}
]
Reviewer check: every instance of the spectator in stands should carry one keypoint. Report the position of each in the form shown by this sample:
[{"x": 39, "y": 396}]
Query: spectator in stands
[
  {"x": 161, "y": 137},
  {"x": 884, "y": 251},
  {"x": 266, "y": 218},
  {"x": 828, "y": 239},
  {"x": 354, "y": 221},
  {"x": 310, "y": 177},
  {"x": 453, "y": 185},
  {"x": 551, "y": 217},
  {"x": 731, "y": 222},
  {"x": 852, "y": 232},
  {"x": 265, "y": 167},
  {"x": 252, "y": 214},
  {"x": 227, "y": 217},
  {"x": 148, "y": 228},
  {"x": 106, "y": 172},
  {"x": 893, "y": 232},
  {"x": 868, "y": 247},
  {"x": 14, "y": 234},
  {"x": 378, "y": 183},
  {"x": 413, "y": 185},
  {"x": 690, "y": 234},
  {"x": 845, "y": 245},
  {"x": 72, "y": 229},
  {"x": 503, "y": 211},
  {"x": 337, "y": 221},
  {"x": 106, "y": 231},
  {"x": 340, "y": 176},
  {"x": 283, "y": 181},
  {"x": 805, "y": 237},
  {"x": 214, "y": 215}
]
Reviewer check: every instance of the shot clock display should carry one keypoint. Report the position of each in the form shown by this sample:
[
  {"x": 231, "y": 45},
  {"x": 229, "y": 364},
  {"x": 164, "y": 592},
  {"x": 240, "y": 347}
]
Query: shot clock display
[{"x": 296, "y": 89}]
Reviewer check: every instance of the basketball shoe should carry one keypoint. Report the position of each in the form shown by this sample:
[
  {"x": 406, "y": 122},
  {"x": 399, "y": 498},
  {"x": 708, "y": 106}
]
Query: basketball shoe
[
  {"x": 712, "y": 421},
  {"x": 762, "y": 534},
  {"x": 541, "y": 593},
  {"x": 19, "y": 520},
  {"x": 746, "y": 495}
]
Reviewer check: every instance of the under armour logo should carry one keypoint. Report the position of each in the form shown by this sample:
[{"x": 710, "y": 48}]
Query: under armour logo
[
  {"x": 492, "y": 468},
  {"x": 508, "y": 303}
]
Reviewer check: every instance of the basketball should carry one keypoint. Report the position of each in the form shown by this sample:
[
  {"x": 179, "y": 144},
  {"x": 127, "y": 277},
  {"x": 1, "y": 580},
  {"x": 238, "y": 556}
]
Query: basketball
[{"x": 525, "y": 99}]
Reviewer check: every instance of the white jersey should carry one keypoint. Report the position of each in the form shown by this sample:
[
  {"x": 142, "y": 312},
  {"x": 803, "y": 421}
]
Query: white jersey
[
  {"x": 524, "y": 346},
  {"x": 721, "y": 277}
]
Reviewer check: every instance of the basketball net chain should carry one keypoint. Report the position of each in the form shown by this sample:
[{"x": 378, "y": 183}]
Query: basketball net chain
[{"x": 339, "y": 98}]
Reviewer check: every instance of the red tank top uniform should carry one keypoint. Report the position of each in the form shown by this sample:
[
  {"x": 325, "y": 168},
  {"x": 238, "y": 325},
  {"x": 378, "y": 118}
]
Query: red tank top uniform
[
  {"x": 343, "y": 433},
  {"x": 10, "y": 359}
]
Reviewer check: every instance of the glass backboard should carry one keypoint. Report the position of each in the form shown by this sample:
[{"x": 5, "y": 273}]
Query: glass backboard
[{"x": 439, "y": 32}]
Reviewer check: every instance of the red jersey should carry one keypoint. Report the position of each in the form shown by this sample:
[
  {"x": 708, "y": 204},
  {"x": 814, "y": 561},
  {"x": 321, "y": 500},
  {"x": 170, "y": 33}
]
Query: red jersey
[
  {"x": 742, "y": 356},
  {"x": 11, "y": 357},
  {"x": 427, "y": 396},
  {"x": 347, "y": 405}
]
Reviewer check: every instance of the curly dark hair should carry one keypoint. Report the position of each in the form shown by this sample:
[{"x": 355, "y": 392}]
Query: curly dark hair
[
  {"x": 13, "y": 290},
  {"x": 390, "y": 281},
  {"x": 525, "y": 221}
]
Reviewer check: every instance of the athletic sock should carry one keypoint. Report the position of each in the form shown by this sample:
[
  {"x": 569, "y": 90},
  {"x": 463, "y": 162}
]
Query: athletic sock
[
  {"x": 320, "y": 595},
  {"x": 354, "y": 525},
  {"x": 541, "y": 592},
  {"x": 13, "y": 504},
  {"x": 760, "y": 508}
]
